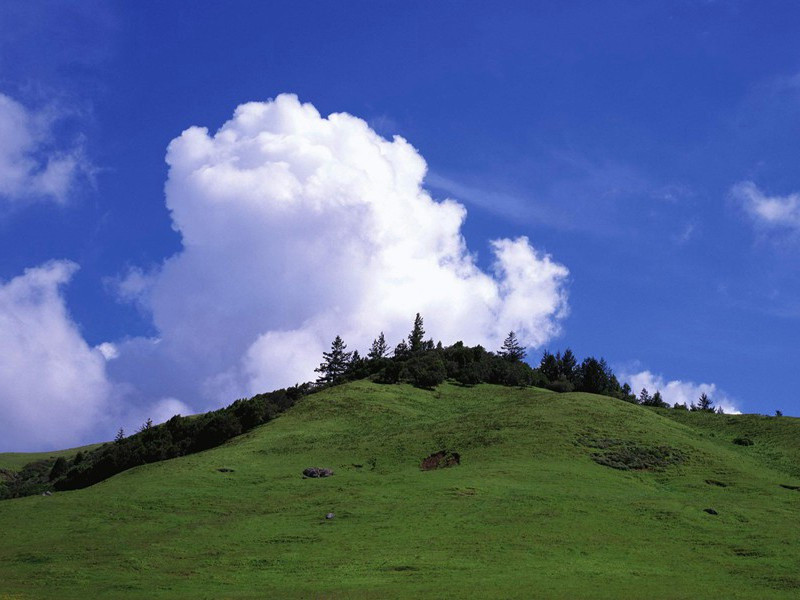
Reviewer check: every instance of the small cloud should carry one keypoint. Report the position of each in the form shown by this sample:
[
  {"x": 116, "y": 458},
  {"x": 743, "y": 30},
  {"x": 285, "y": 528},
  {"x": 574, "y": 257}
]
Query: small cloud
[
  {"x": 768, "y": 212},
  {"x": 34, "y": 165},
  {"x": 108, "y": 350}
]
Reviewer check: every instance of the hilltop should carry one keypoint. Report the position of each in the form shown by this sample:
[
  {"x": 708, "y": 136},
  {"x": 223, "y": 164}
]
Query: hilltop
[{"x": 532, "y": 510}]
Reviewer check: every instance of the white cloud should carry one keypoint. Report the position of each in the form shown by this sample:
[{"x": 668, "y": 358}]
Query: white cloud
[
  {"x": 682, "y": 392},
  {"x": 53, "y": 389},
  {"x": 772, "y": 212},
  {"x": 296, "y": 228},
  {"x": 32, "y": 165}
]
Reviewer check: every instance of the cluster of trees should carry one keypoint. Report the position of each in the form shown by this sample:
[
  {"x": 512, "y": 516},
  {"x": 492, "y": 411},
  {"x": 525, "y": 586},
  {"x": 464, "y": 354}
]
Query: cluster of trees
[
  {"x": 415, "y": 360},
  {"x": 177, "y": 437},
  {"x": 426, "y": 364}
]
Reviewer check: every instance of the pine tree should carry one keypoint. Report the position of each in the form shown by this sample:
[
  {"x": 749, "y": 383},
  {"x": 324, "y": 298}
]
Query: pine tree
[
  {"x": 379, "y": 348},
  {"x": 402, "y": 350},
  {"x": 512, "y": 350},
  {"x": 644, "y": 396},
  {"x": 704, "y": 403},
  {"x": 120, "y": 436},
  {"x": 415, "y": 338},
  {"x": 334, "y": 363},
  {"x": 568, "y": 367},
  {"x": 657, "y": 400},
  {"x": 549, "y": 366}
]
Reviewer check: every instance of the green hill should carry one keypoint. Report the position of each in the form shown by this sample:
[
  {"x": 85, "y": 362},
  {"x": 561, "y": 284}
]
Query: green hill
[
  {"x": 14, "y": 461},
  {"x": 531, "y": 511}
]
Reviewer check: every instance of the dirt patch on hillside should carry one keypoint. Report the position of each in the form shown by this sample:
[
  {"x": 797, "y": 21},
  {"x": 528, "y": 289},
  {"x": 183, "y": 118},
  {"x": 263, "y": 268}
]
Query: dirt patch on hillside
[{"x": 440, "y": 460}]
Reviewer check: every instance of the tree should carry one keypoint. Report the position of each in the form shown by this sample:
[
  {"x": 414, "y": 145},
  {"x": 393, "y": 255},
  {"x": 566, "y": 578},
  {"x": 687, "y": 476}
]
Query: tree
[
  {"x": 60, "y": 467},
  {"x": 120, "y": 436},
  {"x": 402, "y": 350},
  {"x": 568, "y": 366},
  {"x": 417, "y": 335},
  {"x": 644, "y": 397},
  {"x": 378, "y": 348},
  {"x": 334, "y": 363},
  {"x": 657, "y": 400},
  {"x": 512, "y": 350},
  {"x": 594, "y": 376},
  {"x": 549, "y": 366},
  {"x": 778, "y": 413},
  {"x": 704, "y": 403},
  {"x": 425, "y": 370}
]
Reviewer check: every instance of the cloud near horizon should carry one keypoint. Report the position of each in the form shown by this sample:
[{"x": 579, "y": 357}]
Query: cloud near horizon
[
  {"x": 298, "y": 227},
  {"x": 681, "y": 392}
]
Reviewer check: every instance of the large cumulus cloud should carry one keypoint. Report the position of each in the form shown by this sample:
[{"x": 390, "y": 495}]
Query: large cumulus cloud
[{"x": 298, "y": 227}]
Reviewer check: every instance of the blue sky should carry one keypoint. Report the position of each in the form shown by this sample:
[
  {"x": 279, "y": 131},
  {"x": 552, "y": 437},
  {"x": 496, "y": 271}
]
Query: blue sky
[{"x": 649, "y": 148}]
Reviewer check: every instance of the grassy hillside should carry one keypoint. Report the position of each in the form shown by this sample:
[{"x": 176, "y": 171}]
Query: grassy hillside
[
  {"x": 13, "y": 461},
  {"x": 528, "y": 513}
]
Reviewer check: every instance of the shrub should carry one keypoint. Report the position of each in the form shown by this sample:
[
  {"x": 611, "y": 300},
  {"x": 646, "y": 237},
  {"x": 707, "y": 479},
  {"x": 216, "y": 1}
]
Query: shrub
[
  {"x": 561, "y": 386},
  {"x": 425, "y": 370},
  {"x": 743, "y": 441}
]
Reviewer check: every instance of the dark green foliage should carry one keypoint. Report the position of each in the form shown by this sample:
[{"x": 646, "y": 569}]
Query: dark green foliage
[
  {"x": 120, "y": 436},
  {"x": 703, "y": 404},
  {"x": 177, "y": 437},
  {"x": 335, "y": 363},
  {"x": 402, "y": 350},
  {"x": 378, "y": 349},
  {"x": 512, "y": 350},
  {"x": 743, "y": 441},
  {"x": 562, "y": 386},
  {"x": 549, "y": 366},
  {"x": 425, "y": 370},
  {"x": 595, "y": 377},
  {"x": 655, "y": 400},
  {"x": 677, "y": 406},
  {"x": 416, "y": 337},
  {"x": 59, "y": 468}
]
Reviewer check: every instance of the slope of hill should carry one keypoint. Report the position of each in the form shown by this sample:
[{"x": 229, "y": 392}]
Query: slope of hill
[
  {"x": 14, "y": 461},
  {"x": 530, "y": 512}
]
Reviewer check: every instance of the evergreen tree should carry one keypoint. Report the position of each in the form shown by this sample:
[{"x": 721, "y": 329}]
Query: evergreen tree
[
  {"x": 512, "y": 350},
  {"x": 657, "y": 400},
  {"x": 417, "y": 335},
  {"x": 644, "y": 397},
  {"x": 594, "y": 376},
  {"x": 704, "y": 403},
  {"x": 549, "y": 366},
  {"x": 334, "y": 363},
  {"x": 120, "y": 436},
  {"x": 379, "y": 348},
  {"x": 402, "y": 350},
  {"x": 568, "y": 366}
]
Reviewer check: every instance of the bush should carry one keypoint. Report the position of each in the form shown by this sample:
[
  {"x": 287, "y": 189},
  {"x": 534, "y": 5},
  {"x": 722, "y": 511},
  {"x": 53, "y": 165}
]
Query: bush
[
  {"x": 59, "y": 468},
  {"x": 743, "y": 441},
  {"x": 425, "y": 370},
  {"x": 561, "y": 386}
]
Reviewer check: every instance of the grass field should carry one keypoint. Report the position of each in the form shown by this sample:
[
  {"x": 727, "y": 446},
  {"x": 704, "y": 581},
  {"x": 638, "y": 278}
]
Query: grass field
[
  {"x": 14, "y": 461},
  {"x": 527, "y": 514}
]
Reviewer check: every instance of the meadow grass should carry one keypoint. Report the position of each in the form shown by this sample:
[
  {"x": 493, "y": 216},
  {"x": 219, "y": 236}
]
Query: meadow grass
[
  {"x": 527, "y": 514},
  {"x": 14, "y": 461}
]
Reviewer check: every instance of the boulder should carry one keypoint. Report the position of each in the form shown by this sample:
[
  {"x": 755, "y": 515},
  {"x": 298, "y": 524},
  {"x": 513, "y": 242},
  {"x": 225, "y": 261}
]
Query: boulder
[
  {"x": 440, "y": 460},
  {"x": 315, "y": 472}
]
